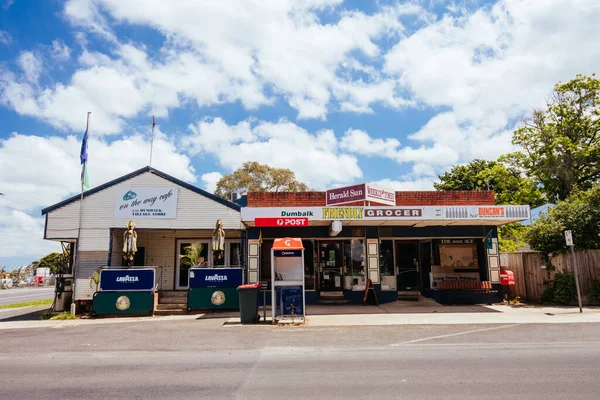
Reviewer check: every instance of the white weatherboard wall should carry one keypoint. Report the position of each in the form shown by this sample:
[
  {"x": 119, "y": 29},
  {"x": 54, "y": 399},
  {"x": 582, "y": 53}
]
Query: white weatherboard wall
[{"x": 194, "y": 211}]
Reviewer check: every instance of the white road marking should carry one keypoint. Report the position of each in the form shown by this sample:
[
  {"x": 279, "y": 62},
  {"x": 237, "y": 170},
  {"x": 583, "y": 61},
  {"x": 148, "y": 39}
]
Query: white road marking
[
  {"x": 28, "y": 295},
  {"x": 454, "y": 334}
]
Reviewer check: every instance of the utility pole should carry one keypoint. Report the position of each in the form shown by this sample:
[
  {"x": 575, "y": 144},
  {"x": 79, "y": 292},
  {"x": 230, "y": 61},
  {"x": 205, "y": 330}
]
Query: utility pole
[{"x": 569, "y": 240}]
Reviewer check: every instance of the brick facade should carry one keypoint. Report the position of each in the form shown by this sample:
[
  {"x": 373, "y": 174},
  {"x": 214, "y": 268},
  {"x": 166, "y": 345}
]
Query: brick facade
[{"x": 422, "y": 198}]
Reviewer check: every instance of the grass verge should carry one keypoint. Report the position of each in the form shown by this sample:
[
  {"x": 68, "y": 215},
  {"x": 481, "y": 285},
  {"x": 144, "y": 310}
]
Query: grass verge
[
  {"x": 64, "y": 315},
  {"x": 28, "y": 304}
]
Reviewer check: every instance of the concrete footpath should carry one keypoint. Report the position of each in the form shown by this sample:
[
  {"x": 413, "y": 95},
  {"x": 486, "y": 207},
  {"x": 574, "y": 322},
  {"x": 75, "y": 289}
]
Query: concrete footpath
[{"x": 385, "y": 315}]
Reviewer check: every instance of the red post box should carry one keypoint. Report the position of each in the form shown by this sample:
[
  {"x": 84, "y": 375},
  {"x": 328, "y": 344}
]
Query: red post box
[{"x": 507, "y": 278}]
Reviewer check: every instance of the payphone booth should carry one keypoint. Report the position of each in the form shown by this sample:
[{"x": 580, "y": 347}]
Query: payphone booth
[{"x": 287, "y": 277}]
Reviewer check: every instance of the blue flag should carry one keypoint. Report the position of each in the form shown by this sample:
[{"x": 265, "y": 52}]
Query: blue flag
[{"x": 83, "y": 156}]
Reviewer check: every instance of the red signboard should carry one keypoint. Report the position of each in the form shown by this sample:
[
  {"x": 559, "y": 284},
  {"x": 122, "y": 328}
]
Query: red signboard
[{"x": 280, "y": 222}]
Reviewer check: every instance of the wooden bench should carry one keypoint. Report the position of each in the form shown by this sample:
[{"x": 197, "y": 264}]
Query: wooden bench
[{"x": 476, "y": 287}]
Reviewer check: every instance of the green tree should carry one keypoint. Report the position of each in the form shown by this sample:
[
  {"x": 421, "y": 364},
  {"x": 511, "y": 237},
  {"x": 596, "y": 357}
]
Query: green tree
[
  {"x": 256, "y": 177},
  {"x": 508, "y": 183},
  {"x": 54, "y": 261},
  {"x": 560, "y": 144},
  {"x": 579, "y": 213}
]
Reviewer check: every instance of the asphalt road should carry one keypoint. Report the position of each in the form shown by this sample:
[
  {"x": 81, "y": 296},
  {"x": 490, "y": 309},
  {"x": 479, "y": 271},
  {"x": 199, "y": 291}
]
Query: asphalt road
[
  {"x": 20, "y": 295},
  {"x": 204, "y": 359}
]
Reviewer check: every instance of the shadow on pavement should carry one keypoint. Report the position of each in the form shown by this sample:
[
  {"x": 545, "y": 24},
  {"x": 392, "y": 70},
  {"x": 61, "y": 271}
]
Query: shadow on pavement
[{"x": 18, "y": 315}]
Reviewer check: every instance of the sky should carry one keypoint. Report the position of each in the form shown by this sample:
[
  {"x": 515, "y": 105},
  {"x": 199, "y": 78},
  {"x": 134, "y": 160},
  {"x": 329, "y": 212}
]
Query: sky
[{"x": 340, "y": 92}]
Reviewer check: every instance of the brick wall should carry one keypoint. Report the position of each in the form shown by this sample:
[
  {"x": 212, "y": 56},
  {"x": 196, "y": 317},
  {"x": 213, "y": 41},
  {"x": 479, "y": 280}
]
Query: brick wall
[{"x": 423, "y": 198}]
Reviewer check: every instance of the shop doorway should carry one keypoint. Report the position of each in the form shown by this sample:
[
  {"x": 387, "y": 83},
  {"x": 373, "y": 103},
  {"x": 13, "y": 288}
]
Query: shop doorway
[
  {"x": 330, "y": 266},
  {"x": 407, "y": 266},
  {"x": 190, "y": 256}
]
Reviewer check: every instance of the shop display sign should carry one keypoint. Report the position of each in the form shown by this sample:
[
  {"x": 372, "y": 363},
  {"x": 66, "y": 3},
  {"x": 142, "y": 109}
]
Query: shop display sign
[
  {"x": 347, "y": 194},
  {"x": 457, "y": 241},
  {"x": 215, "y": 277},
  {"x": 361, "y": 192},
  {"x": 280, "y": 222},
  {"x": 146, "y": 202},
  {"x": 487, "y": 212},
  {"x": 127, "y": 280},
  {"x": 342, "y": 213},
  {"x": 287, "y": 253},
  {"x": 393, "y": 212},
  {"x": 289, "y": 300}
]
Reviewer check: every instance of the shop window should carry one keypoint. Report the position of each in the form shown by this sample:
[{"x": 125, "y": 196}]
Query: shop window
[
  {"x": 459, "y": 256},
  {"x": 265, "y": 262},
  {"x": 386, "y": 265},
  {"x": 234, "y": 254},
  {"x": 354, "y": 265},
  {"x": 309, "y": 264},
  {"x": 218, "y": 261}
]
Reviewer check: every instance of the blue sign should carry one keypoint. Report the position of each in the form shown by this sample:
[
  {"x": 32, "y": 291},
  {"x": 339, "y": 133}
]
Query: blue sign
[
  {"x": 127, "y": 280},
  {"x": 290, "y": 300},
  {"x": 215, "y": 277},
  {"x": 287, "y": 253},
  {"x": 488, "y": 243}
]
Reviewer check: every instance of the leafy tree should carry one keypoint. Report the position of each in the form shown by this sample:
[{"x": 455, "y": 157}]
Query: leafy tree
[
  {"x": 54, "y": 261},
  {"x": 508, "y": 183},
  {"x": 580, "y": 213},
  {"x": 256, "y": 177},
  {"x": 561, "y": 142}
]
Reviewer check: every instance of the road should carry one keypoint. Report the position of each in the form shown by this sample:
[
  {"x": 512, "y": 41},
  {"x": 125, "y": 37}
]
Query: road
[
  {"x": 20, "y": 295},
  {"x": 204, "y": 359}
]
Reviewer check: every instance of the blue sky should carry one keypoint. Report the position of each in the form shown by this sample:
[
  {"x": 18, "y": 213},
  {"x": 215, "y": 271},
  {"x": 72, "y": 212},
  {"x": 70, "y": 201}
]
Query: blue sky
[{"x": 394, "y": 92}]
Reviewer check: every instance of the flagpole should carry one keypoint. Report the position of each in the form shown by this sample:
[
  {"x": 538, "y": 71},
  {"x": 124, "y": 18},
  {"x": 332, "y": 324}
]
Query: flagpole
[
  {"x": 76, "y": 258},
  {"x": 152, "y": 140}
]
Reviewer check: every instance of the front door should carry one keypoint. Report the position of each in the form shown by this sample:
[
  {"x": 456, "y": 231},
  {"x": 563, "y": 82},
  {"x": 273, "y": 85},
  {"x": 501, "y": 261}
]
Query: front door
[
  {"x": 190, "y": 253},
  {"x": 330, "y": 266},
  {"x": 407, "y": 266}
]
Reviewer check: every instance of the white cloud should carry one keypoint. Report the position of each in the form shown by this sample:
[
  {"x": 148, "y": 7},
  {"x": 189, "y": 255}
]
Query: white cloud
[
  {"x": 210, "y": 180},
  {"x": 60, "y": 51},
  {"x": 31, "y": 65},
  {"x": 5, "y": 38},
  {"x": 490, "y": 67},
  {"x": 22, "y": 235},
  {"x": 292, "y": 52},
  {"x": 315, "y": 158},
  {"x": 411, "y": 185},
  {"x": 36, "y": 172},
  {"x": 359, "y": 142}
]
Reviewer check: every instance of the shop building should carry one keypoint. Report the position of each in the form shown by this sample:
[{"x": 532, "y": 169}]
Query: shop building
[
  {"x": 169, "y": 215},
  {"x": 404, "y": 242}
]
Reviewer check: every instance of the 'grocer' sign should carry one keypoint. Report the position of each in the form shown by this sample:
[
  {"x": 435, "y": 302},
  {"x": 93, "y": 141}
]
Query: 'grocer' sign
[{"x": 146, "y": 202}]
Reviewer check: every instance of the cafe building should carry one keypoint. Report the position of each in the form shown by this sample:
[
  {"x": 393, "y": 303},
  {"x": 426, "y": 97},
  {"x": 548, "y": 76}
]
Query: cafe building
[
  {"x": 169, "y": 215},
  {"x": 406, "y": 243}
]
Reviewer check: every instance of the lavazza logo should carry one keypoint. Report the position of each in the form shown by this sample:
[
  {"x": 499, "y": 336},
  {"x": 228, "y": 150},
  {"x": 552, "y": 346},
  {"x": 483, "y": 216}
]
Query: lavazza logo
[
  {"x": 215, "y": 278},
  {"x": 128, "y": 279}
]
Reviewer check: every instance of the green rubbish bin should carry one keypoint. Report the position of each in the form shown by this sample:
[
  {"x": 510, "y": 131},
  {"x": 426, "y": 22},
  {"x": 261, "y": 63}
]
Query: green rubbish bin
[{"x": 249, "y": 303}]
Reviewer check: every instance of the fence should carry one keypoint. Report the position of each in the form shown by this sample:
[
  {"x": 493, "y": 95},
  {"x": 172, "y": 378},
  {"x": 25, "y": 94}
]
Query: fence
[{"x": 530, "y": 276}]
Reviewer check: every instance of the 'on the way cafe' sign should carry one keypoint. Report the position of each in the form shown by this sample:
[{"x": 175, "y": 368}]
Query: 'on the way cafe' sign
[{"x": 146, "y": 202}]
